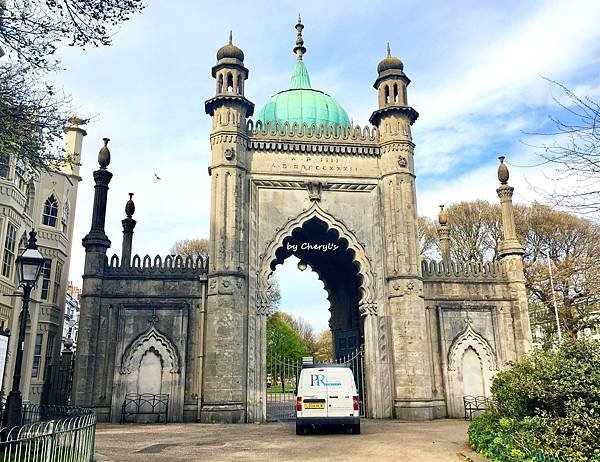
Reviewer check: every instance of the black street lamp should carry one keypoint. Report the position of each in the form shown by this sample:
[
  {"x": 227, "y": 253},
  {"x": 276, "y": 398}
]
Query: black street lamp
[{"x": 29, "y": 265}]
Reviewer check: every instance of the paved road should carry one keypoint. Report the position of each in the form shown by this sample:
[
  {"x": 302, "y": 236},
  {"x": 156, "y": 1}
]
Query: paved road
[{"x": 440, "y": 440}]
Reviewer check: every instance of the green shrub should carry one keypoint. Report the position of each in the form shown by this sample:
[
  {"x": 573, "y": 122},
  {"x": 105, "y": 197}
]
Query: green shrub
[{"x": 547, "y": 408}]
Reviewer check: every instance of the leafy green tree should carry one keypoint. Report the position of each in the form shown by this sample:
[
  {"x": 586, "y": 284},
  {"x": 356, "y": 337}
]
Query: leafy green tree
[
  {"x": 31, "y": 30},
  {"x": 32, "y": 119},
  {"x": 546, "y": 405},
  {"x": 282, "y": 340},
  {"x": 324, "y": 352},
  {"x": 32, "y": 113},
  {"x": 285, "y": 350}
]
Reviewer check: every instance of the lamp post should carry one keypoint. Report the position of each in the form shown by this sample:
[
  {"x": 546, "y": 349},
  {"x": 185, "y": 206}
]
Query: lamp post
[
  {"x": 558, "y": 329},
  {"x": 29, "y": 265}
]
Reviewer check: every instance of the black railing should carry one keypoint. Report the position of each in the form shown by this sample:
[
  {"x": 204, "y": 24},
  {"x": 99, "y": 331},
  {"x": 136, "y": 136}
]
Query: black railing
[
  {"x": 475, "y": 403},
  {"x": 145, "y": 404}
]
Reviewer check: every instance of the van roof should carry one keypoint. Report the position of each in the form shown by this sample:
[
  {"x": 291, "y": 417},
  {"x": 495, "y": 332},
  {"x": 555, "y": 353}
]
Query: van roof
[{"x": 323, "y": 365}]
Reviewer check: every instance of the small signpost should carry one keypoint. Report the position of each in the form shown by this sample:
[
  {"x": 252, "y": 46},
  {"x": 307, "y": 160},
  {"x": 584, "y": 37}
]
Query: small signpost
[{"x": 4, "y": 336}]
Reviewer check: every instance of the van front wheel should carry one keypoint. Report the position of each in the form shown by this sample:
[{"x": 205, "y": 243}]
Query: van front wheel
[
  {"x": 356, "y": 429},
  {"x": 299, "y": 429}
]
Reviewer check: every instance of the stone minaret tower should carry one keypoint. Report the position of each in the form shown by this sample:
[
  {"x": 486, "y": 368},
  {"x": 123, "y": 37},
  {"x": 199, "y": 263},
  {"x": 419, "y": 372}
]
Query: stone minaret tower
[
  {"x": 96, "y": 243},
  {"x": 444, "y": 235},
  {"x": 404, "y": 286},
  {"x": 511, "y": 254},
  {"x": 224, "y": 390}
]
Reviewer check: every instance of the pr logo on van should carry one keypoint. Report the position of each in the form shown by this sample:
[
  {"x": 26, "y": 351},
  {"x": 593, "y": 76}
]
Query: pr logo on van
[{"x": 318, "y": 380}]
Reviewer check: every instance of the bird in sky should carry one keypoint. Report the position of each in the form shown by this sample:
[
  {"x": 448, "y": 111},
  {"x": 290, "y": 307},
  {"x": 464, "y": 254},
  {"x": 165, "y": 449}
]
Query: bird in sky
[{"x": 157, "y": 177}]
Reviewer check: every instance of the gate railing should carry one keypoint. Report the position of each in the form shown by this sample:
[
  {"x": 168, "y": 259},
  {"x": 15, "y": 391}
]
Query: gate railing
[
  {"x": 355, "y": 361},
  {"x": 51, "y": 434},
  {"x": 282, "y": 377}
]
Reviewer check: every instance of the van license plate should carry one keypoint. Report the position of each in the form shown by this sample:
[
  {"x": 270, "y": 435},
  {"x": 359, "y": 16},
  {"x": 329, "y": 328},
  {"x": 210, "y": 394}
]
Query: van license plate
[{"x": 314, "y": 405}]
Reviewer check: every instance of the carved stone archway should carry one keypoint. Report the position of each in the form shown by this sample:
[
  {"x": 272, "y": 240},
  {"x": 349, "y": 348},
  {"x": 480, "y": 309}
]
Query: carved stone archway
[
  {"x": 127, "y": 376},
  {"x": 468, "y": 340},
  {"x": 379, "y": 400}
]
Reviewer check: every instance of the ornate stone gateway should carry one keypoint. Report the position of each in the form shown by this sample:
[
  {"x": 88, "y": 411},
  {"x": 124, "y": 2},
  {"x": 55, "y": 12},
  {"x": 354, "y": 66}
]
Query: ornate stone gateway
[{"x": 299, "y": 180}]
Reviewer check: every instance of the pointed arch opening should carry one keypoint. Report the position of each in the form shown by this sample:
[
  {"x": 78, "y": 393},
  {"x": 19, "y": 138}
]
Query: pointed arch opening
[
  {"x": 229, "y": 82},
  {"x": 50, "y": 213}
]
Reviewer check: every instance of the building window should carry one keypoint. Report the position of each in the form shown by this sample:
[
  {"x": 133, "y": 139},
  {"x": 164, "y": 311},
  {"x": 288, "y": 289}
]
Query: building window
[
  {"x": 9, "y": 250},
  {"x": 20, "y": 176},
  {"x": 57, "y": 277},
  {"x": 49, "y": 351},
  {"x": 46, "y": 270},
  {"x": 50, "y": 211},
  {"x": 4, "y": 165},
  {"x": 37, "y": 356},
  {"x": 64, "y": 219}
]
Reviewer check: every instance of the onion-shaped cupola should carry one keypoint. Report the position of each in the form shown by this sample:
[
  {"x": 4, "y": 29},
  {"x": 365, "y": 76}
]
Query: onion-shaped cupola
[
  {"x": 302, "y": 104},
  {"x": 391, "y": 86},
  {"x": 230, "y": 75}
]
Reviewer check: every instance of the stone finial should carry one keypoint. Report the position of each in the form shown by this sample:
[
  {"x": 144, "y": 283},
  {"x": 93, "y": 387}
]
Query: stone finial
[
  {"x": 230, "y": 37},
  {"x": 130, "y": 206},
  {"x": 389, "y": 50},
  {"x": 502, "y": 171},
  {"x": 443, "y": 216},
  {"x": 104, "y": 154},
  {"x": 299, "y": 49}
]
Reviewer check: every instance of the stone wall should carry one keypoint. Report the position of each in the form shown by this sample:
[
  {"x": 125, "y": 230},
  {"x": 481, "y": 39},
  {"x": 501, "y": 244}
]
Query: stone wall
[{"x": 150, "y": 335}]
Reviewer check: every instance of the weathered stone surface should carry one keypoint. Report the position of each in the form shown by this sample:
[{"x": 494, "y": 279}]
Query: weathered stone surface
[{"x": 431, "y": 332}]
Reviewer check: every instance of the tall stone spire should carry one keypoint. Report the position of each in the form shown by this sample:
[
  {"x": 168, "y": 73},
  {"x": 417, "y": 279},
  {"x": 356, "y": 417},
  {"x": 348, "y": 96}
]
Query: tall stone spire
[
  {"x": 299, "y": 49},
  {"x": 511, "y": 256},
  {"x": 96, "y": 239},
  {"x": 510, "y": 243},
  {"x": 128, "y": 226},
  {"x": 444, "y": 234}
]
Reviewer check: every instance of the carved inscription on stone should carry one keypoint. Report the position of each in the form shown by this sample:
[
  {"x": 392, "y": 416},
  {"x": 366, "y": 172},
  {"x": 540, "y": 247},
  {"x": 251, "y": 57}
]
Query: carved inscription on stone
[{"x": 325, "y": 164}]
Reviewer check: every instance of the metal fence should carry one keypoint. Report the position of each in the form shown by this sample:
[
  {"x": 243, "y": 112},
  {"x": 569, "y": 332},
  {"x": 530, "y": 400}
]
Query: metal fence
[
  {"x": 355, "y": 361},
  {"x": 282, "y": 376},
  {"x": 50, "y": 434},
  {"x": 58, "y": 383}
]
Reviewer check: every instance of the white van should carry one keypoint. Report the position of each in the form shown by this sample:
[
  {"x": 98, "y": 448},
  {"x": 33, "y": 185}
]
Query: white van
[{"x": 327, "y": 395}]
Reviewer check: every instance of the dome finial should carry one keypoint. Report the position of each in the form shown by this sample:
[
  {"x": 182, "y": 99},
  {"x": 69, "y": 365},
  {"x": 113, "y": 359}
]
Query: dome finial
[
  {"x": 130, "y": 206},
  {"x": 502, "y": 171},
  {"x": 230, "y": 51},
  {"x": 299, "y": 49},
  {"x": 390, "y": 62}
]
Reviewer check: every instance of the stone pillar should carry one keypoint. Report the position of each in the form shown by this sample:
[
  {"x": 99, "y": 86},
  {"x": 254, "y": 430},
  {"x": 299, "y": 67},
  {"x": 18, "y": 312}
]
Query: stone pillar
[
  {"x": 128, "y": 226},
  {"x": 91, "y": 344},
  {"x": 511, "y": 255},
  {"x": 444, "y": 234},
  {"x": 73, "y": 145},
  {"x": 413, "y": 396},
  {"x": 225, "y": 392}
]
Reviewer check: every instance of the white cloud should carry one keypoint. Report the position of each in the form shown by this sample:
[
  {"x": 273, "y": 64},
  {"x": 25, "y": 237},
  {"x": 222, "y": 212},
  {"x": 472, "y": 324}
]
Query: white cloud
[{"x": 476, "y": 81}]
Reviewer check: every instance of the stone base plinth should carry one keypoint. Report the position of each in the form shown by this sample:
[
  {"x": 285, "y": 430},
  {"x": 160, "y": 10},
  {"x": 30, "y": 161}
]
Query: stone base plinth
[
  {"x": 419, "y": 409},
  {"x": 223, "y": 413}
]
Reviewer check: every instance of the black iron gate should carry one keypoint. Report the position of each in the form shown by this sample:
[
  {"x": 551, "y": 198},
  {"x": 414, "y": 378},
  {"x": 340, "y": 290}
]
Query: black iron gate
[
  {"x": 282, "y": 378},
  {"x": 58, "y": 384}
]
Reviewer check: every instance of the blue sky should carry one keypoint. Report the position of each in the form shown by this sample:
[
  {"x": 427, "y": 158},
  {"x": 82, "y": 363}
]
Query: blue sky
[{"x": 475, "y": 67}]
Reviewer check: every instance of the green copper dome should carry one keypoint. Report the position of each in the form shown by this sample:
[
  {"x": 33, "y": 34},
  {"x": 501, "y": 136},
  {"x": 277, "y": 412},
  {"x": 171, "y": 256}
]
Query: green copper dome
[{"x": 301, "y": 104}]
